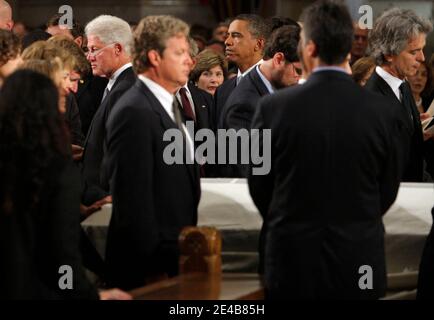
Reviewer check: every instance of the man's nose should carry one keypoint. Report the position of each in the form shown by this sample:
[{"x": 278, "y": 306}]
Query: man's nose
[
  {"x": 228, "y": 41},
  {"x": 421, "y": 56}
]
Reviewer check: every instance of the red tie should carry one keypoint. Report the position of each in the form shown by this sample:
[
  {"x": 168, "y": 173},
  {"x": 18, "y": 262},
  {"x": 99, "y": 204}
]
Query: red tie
[{"x": 186, "y": 106}]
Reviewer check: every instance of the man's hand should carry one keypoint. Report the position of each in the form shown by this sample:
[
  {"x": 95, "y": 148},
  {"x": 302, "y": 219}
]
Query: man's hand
[
  {"x": 114, "y": 294},
  {"x": 96, "y": 206},
  {"x": 427, "y": 136},
  {"x": 77, "y": 152},
  {"x": 424, "y": 116}
]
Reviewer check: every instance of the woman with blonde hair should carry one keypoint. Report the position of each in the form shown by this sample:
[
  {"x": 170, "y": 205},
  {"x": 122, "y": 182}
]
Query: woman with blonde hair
[{"x": 49, "y": 51}]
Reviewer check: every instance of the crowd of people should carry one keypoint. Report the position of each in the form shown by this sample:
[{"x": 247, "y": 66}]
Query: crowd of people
[{"x": 83, "y": 113}]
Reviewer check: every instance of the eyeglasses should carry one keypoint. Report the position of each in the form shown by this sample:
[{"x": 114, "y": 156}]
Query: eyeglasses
[
  {"x": 297, "y": 70},
  {"x": 92, "y": 52}
]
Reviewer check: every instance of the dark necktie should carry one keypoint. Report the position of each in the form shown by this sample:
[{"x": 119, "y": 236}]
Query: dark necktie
[
  {"x": 177, "y": 115},
  {"x": 186, "y": 106},
  {"x": 406, "y": 99},
  {"x": 106, "y": 92}
]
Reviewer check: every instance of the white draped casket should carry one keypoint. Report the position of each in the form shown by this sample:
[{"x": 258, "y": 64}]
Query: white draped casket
[{"x": 226, "y": 205}]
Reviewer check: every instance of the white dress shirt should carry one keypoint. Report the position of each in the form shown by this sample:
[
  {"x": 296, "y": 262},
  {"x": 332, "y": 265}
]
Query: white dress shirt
[
  {"x": 393, "y": 82},
  {"x": 265, "y": 80},
  {"x": 116, "y": 75},
  {"x": 243, "y": 74},
  {"x": 166, "y": 99}
]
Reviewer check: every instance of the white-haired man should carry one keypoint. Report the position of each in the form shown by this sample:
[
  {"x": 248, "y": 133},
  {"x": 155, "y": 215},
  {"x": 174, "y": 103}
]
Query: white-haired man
[
  {"x": 6, "y": 22},
  {"x": 109, "y": 53}
]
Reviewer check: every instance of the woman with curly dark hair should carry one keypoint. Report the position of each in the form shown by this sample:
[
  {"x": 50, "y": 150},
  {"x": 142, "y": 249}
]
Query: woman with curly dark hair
[
  {"x": 10, "y": 50},
  {"x": 39, "y": 196}
]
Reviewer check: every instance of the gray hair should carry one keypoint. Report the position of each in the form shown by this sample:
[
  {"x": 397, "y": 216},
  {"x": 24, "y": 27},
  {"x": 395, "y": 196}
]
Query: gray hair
[
  {"x": 392, "y": 32},
  {"x": 111, "y": 29}
]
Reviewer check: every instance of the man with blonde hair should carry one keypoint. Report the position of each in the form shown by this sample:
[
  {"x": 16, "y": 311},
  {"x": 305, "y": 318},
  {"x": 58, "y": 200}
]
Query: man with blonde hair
[
  {"x": 6, "y": 22},
  {"x": 152, "y": 200},
  {"x": 109, "y": 44}
]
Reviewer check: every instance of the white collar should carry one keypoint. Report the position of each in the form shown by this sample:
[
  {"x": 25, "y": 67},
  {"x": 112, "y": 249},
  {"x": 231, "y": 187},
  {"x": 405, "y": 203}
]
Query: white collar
[
  {"x": 393, "y": 82},
  {"x": 242, "y": 74},
  {"x": 266, "y": 82},
  {"x": 117, "y": 73},
  {"x": 163, "y": 96}
]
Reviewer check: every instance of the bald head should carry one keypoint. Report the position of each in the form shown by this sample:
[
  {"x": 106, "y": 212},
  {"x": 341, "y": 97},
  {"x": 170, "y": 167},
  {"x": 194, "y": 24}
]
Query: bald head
[{"x": 6, "y": 22}]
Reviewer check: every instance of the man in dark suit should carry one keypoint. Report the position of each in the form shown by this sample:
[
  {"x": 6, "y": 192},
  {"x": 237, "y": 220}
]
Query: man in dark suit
[
  {"x": 111, "y": 60},
  {"x": 335, "y": 170},
  {"x": 90, "y": 91},
  {"x": 245, "y": 48},
  {"x": 281, "y": 68},
  {"x": 195, "y": 104},
  {"x": 396, "y": 60},
  {"x": 153, "y": 198}
]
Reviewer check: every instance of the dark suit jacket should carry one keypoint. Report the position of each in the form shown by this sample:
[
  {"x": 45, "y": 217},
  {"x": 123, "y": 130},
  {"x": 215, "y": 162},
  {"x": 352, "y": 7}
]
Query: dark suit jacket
[
  {"x": 335, "y": 170},
  {"x": 414, "y": 171},
  {"x": 238, "y": 113},
  {"x": 241, "y": 105},
  {"x": 204, "y": 110},
  {"x": 88, "y": 96},
  {"x": 221, "y": 95},
  {"x": 94, "y": 144},
  {"x": 34, "y": 245},
  {"x": 152, "y": 201},
  {"x": 72, "y": 119},
  {"x": 203, "y": 107}
]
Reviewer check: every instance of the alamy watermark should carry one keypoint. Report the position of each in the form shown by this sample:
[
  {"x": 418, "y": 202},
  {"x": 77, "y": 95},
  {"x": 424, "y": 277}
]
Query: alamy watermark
[
  {"x": 66, "y": 21},
  {"x": 366, "y": 21},
  {"x": 226, "y": 147},
  {"x": 67, "y": 277},
  {"x": 366, "y": 280}
]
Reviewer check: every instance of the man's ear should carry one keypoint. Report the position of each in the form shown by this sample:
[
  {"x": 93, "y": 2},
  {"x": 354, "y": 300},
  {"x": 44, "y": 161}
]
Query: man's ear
[
  {"x": 311, "y": 49},
  {"x": 118, "y": 48},
  {"x": 79, "y": 41},
  {"x": 388, "y": 58},
  {"x": 260, "y": 44},
  {"x": 154, "y": 57},
  {"x": 10, "y": 25},
  {"x": 278, "y": 59}
]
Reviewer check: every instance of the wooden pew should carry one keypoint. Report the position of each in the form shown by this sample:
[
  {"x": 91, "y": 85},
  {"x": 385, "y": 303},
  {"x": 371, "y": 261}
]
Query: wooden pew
[{"x": 200, "y": 273}]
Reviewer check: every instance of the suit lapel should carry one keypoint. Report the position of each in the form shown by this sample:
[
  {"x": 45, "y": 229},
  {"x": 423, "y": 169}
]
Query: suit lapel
[
  {"x": 101, "y": 109},
  {"x": 384, "y": 88},
  {"x": 167, "y": 123},
  {"x": 257, "y": 82},
  {"x": 200, "y": 108}
]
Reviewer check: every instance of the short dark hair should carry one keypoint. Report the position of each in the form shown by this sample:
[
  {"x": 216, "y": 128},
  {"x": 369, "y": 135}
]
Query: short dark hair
[
  {"x": 329, "y": 25},
  {"x": 284, "y": 39},
  {"x": 258, "y": 27},
  {"x": 277, "y": 21}
]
